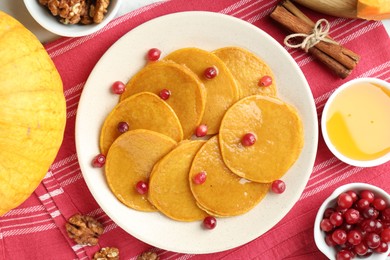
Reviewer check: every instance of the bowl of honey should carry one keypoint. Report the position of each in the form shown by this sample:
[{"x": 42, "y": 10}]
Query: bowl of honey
[{"x": 355, "y": 122}]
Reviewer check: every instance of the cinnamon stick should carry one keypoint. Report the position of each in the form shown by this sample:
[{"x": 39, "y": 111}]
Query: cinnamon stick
[{"x": 336, "y": 57}]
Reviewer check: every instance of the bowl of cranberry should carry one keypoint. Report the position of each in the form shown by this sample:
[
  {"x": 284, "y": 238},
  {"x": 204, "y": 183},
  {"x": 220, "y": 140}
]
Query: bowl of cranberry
[{"x": 354, "y": 222}]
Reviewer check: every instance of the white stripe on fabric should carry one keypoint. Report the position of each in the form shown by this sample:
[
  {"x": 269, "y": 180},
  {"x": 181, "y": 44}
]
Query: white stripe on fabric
[
  {"x": 324, "y": 164},
  {"x": 333, "y": 181},
  {"x": 73, "y": 164},
  {"x": 230, "y": 8},
  {"x": 256, "y": 10},
  {"x": 74, "y": 89},
  {"x": 77, "y": 247},
  {"x": 16, "y": 226},
  {"x": 51, "y": 194},
  {"x": 24, "y": 231},
  {"x": 63, "y": 162},
  {"x": 21, "y": 211},
  {"x": 261, "y": 15},
  {"x": 3, "y": 220},
  {"x": 55, "y": 214}
]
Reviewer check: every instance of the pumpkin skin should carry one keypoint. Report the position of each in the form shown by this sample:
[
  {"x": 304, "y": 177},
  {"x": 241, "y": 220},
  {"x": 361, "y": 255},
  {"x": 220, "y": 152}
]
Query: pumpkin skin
[{"x": 32, "y": 112}]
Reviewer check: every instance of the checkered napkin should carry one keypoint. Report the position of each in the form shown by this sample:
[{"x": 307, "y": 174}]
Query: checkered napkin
[{"x": 35, "y": 230}]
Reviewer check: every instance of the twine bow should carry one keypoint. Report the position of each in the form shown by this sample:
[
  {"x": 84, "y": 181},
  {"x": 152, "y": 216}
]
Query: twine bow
[{"x": 318, "y": 34}]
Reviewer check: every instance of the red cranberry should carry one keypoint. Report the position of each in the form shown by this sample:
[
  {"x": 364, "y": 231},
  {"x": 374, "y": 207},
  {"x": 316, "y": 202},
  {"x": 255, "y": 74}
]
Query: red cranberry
[
  {"x": 118, "y": 87},
  {"x": 99, "y": 161},
  {"x": 344, "y": 200},
  {"x": 368, "y": 254},
  {"x": 379, "y": 204},
  {"x": 265, "y": 81},
  {"x": 165, "y": 94},
  {"x": 368, "y": 195},
  {"x": 248, "y": 139},
  {"x": 361, "y": 249},
  {"x": 329, "y": 241},
  {"x": 209, "y": 222},
  {"x": 385, "y": 215},
  {"x": 336, "y": 219},
  {"x": 328, "y": 212},
  {"x": 386, "y": 224},
  {"x": 339, "y": 236},
  {"x": 385, "y": 235},
  {"x": 210, "y": 72},
  {"x": 347, "y": 227},
  {"x": 368, "y": 225},
  {"x": 382, "y": 248},
  {"x": 123, "y": 127},
  {"x": 373, "y": 240},
  {"x": 353, "y": 195},
  {"x": 354, "y": 237},
  {"x": 326, "y": 225},
  {"x": 378, "y": 226},
  {"x": 278, "y": 186},
  {"x": 370, "y": 212},
  {"x": 341, "y": 210},
  {"x": 201, "y": 130},
  {"x": 352, "y": 216},
  {"x": 142, "y": 187},
  {"x": 153, "y": 54},
  {"x": 362, "y": 204},
  {"x": 344, "y": 255},
  {"x": 200, "y": 177}
]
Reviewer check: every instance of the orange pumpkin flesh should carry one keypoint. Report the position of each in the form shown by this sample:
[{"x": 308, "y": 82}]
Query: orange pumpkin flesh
[
  {"x": 373, "y": 9},
  {"x": 32, "y": 113}
]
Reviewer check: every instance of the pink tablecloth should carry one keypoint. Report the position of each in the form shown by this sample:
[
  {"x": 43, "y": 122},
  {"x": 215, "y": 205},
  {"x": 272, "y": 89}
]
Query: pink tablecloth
[{"x": 35, "y": 230}]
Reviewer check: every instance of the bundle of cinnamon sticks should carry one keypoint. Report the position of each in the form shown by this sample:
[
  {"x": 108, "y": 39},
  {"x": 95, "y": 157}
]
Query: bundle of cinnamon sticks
[{"x": 336, "y": 57}]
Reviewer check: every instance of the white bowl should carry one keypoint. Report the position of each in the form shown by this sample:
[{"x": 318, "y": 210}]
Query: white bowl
[
  {"x": 360, "y": 163},
  {"x": 319, "y": 236},
  {"x": 44, "y": 17}
]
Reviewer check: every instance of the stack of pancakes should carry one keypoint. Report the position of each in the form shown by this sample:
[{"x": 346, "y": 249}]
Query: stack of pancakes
[{"x": 160, "y": 147}]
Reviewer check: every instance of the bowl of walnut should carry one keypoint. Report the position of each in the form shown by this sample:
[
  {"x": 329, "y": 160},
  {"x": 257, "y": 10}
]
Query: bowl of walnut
[{"x": 72, "y": 18}]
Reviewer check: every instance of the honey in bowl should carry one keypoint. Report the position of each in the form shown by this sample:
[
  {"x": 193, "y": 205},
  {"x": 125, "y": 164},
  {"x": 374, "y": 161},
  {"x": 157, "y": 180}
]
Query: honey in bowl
[{"x": 356, "y": 122}]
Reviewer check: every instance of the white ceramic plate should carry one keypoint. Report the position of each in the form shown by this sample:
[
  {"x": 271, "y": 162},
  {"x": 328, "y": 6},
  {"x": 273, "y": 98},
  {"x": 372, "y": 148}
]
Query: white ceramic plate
[{"x": 208, "y": 31}]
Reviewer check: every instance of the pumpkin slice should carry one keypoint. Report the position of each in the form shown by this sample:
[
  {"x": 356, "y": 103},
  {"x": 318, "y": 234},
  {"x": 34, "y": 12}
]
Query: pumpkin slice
[
  {"x": 130, "y": 159},
  {"x": 373, "y": 9},
  {"x": 188, "y": 95},
  {"x": 169, "y": 190},
  {"x": 144, "y": 110},
  {"x": 248, "y": 79},
  {"x": 222, "y": 91},
  {"x": 223, "y": 193},
  {"x": 279, "y": 138}
]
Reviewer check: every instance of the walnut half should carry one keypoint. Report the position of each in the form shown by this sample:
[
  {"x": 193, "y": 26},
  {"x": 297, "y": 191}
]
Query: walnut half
[
  {"x": 148, "y": 256},
  {"x": 84, "y": 230},
  {"x": 107, "y": 253},
  {"x": 98, "y": 10}
]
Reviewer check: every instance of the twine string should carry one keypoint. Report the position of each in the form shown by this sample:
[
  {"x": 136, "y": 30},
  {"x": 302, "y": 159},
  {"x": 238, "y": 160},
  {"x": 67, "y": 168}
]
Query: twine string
[{"x": 318, "y": 34}]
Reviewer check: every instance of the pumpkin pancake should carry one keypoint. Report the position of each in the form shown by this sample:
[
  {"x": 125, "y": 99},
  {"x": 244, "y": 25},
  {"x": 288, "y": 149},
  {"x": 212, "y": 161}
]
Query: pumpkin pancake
[
  {"x": 223, "y": 193},
  {"x": 247, "y": 69},
  {"x": 169, "y": 190},
  {"x": 188, "y": 95},
  {"x": 279, "y": 138},
  {"x": 222, "y": 91},
  {"x": 130, "y": 159},
  {"x": 144, "y": 110}
]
